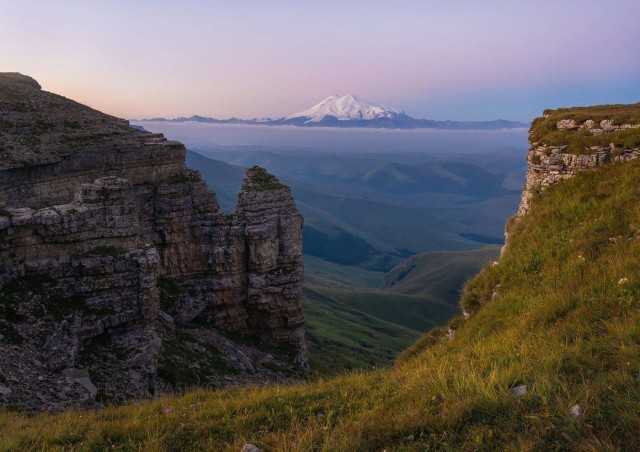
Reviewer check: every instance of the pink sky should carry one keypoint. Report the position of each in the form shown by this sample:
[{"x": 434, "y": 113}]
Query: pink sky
[{"x": 441, "y": 60}]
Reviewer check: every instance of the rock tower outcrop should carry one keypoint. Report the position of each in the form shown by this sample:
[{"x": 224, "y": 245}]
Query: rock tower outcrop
[{"x": 119, "y": 275}]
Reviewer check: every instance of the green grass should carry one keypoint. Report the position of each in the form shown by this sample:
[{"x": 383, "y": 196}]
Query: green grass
[
  {"x": 565, "y": 322},
  {"x": 410, "y": 311},
  {"x": 353, "y": 323},
  {"x": 341, "y": 337},
  {"x": 544, "y": 130},
  {"x": 319, "y": 272},
  {"x": 439, "y": 274},
  {"x": 262, "y": 181}
]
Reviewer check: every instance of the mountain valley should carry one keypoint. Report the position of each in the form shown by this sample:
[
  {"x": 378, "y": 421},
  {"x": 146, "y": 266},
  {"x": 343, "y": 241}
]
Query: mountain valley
[
  {"x": 355, "y": 246},
  {"x": 545, "y": 357}
]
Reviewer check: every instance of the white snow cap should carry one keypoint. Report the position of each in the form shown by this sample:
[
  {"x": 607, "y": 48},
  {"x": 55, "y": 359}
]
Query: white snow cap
[{"x": 345, "y": 108}]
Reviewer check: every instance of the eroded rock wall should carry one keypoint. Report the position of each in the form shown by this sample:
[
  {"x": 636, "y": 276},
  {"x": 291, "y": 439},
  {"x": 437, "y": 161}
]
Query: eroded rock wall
[{"x": 118, "y": 269}]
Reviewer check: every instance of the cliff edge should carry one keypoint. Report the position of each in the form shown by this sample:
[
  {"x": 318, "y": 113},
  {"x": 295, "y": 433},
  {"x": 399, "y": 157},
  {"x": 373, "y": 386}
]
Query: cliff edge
[
  {"x": 120, "y": 277},
  {"x": 567, "y": 141}
]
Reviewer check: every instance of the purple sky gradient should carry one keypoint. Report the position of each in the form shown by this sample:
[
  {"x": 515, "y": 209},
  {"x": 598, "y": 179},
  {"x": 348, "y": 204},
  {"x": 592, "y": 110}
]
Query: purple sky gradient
[{"x": 464, "y": 60}]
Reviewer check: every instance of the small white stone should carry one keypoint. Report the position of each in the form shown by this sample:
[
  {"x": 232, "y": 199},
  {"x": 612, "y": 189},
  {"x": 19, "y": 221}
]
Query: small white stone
[
  {"x": 576, "y": 412},
  {"x": 451, "y": 334},
  {"x": 519, "y": 391},
  {"x": 250, "y": 448}
]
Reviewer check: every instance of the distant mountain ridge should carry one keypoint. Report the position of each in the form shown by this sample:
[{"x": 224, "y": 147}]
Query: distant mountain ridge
[{"x": 351, "y": 111}]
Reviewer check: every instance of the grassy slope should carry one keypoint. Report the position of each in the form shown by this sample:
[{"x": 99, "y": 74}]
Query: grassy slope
[
  {"x": 416, "y": 312},
  {"x": 341, "y": 337},
  {"x": 321, "y": 273},
  {"x": 438, "y": 274},
  {"x": 425, "y": 292},
  {"x": 353, "y": 323},
  {"x": 562, "y": 323}
]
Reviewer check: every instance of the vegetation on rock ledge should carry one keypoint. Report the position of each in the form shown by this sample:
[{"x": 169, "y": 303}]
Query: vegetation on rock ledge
[
  {"x": 544, "y": 130},
  {"x": 261, "y": 180}
]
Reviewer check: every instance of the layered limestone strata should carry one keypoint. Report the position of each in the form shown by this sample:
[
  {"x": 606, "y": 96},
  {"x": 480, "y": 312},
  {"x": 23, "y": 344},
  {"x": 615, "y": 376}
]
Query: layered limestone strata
[
  {"x": 119, "y": 275},
  {"x": 548, "y": 165}
]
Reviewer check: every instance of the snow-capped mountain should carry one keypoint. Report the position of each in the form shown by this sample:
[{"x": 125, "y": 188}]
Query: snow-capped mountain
[
  {"x": 345, "y": 108},
  {"x": 352, "y": 112}
]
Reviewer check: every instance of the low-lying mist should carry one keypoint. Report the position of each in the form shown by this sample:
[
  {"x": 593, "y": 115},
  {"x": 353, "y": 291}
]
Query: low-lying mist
[{"x": 197, "y": 135}]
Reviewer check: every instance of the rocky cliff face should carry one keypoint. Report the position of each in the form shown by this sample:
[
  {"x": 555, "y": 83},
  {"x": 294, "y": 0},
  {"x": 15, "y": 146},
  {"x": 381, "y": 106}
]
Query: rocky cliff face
[
  {"x": 572, "y": 147},
  {"x": 119, "y": 275}
]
